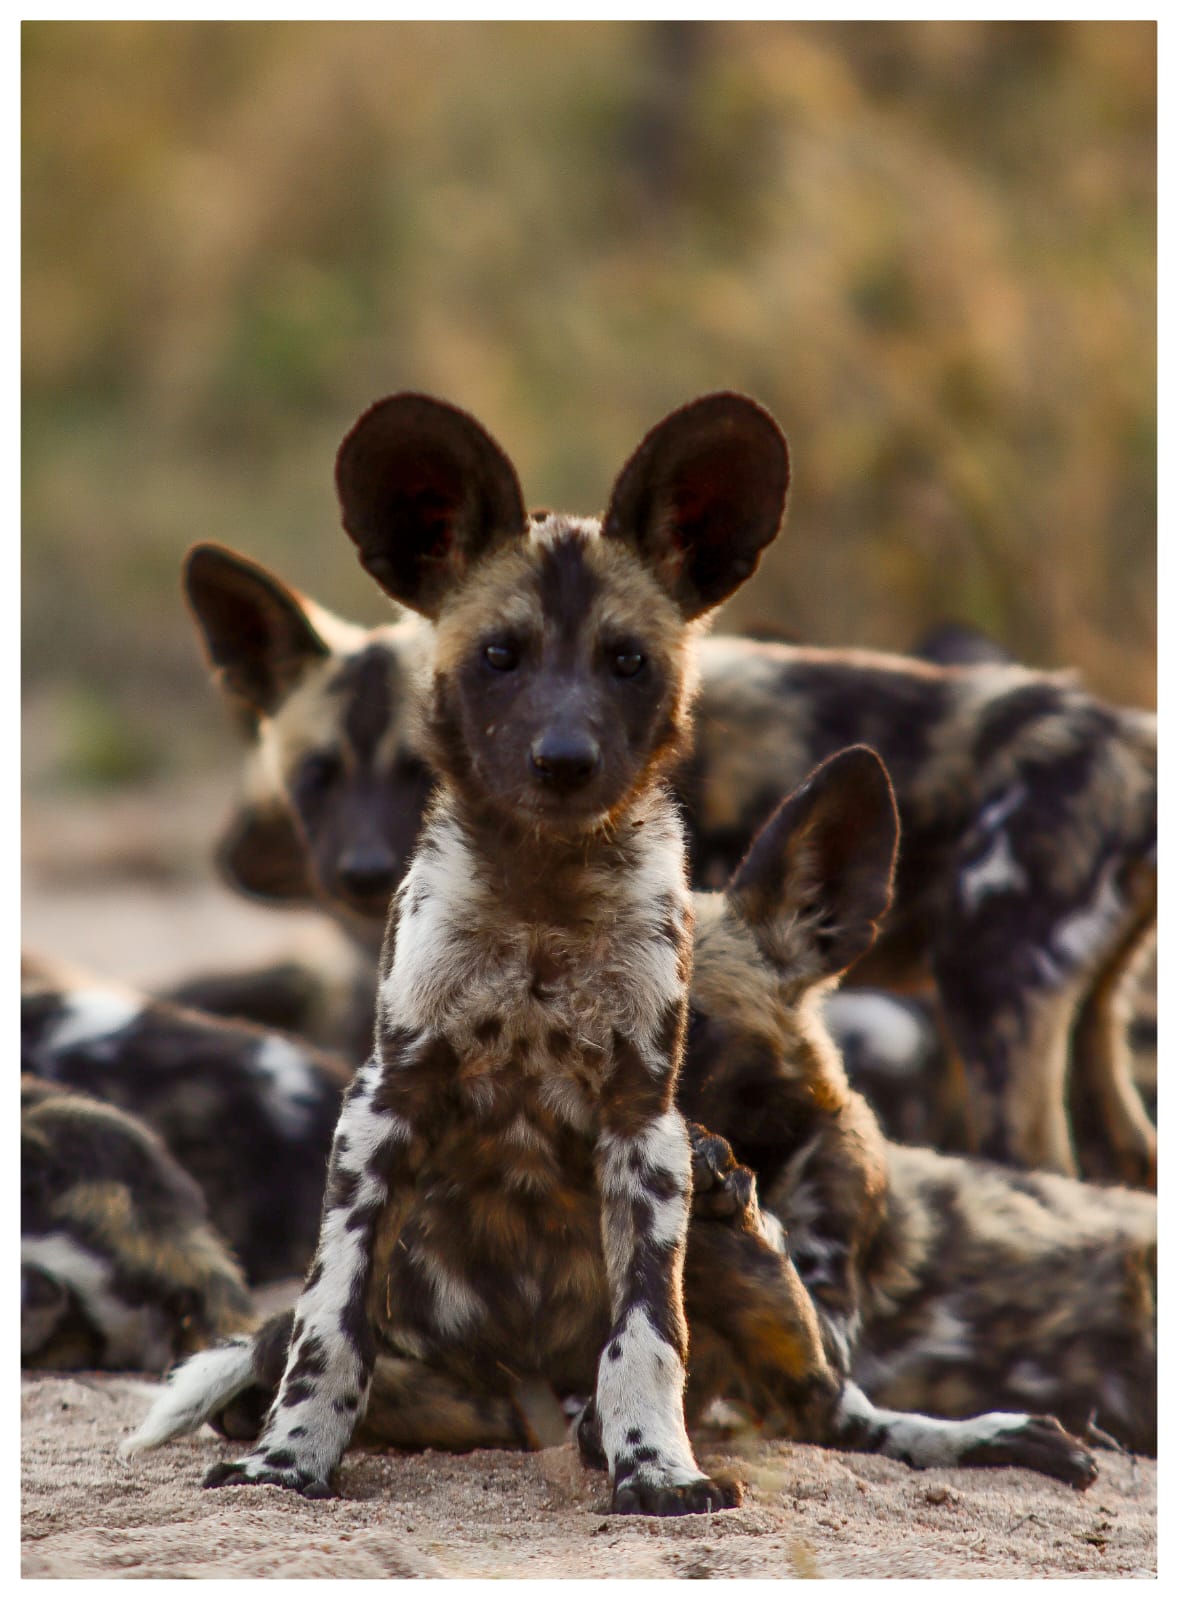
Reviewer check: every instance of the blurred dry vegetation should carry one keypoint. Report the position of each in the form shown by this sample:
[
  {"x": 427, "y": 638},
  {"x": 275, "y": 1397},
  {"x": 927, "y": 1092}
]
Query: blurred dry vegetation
[{"x": 929, "y": 248}]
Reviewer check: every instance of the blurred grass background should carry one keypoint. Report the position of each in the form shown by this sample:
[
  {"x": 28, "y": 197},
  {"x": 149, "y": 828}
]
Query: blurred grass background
[{"x": 929, "y": 248}]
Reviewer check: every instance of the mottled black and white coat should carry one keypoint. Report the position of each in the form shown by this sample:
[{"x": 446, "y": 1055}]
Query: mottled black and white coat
[
  {"x": 535, "y": 976},
  {"x": 786, "y": 1322},
  {"x": 1025, "y": 892}
]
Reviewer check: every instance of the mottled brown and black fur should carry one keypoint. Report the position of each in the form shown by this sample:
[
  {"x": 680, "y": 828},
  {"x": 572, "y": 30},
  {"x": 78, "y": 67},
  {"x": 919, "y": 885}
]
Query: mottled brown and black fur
[
  {"x": 511, "y": 1157},
  {"x": 120, "y": 1267},
  {"x": 247, "y": 1112},
  {"x": 815, "y": 886},
  {"x": 1026, "y": 886},
  {"x": 511, "y": 1178},
  {"x": 944, "y": 1284}
]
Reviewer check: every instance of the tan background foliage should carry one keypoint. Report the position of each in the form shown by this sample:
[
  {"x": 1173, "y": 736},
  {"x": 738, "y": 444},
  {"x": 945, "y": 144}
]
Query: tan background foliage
[{"x": 929, "y": 248}]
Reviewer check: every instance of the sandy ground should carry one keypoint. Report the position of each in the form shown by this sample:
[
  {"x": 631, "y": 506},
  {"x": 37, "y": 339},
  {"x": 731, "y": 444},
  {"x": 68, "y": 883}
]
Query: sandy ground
[
  {"x": 493, "y": 1514},
  {"x": 123, "y": 888}
]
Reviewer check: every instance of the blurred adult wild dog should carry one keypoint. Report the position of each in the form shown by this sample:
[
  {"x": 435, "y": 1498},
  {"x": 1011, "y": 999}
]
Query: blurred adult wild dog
[{"x": 1026, "y": 886}]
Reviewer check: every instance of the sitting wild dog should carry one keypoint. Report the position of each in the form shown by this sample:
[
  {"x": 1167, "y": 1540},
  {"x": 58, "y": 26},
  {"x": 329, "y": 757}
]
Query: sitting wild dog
[
  {"x": 942, "y": 1284},
  {"x": 248, "y": 1113},
  {"x": 1026, "y": 886},
  {"x": 812, "y": 896},
  {"x": 119, "y": 1266},
  {"x": 515, "y": 1132},
  {"x": 508, "y": 1196}
]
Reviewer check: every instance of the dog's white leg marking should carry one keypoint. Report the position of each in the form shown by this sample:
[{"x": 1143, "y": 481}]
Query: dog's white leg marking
[{"x": 329, "y": 1369}]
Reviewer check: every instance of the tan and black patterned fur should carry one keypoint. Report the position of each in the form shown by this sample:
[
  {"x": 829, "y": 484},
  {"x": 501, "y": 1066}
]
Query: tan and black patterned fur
[
  {"x": 120, "y": 1267},
  {"x": 246, "y": 1111},
  {"x": 1026, "y": 886},
  {"x": 944, "y": 1284},
  {"x": 511, "y": 1155},
  {"x": 511, "y": 1180},
  {"x": 758, "y": 1335}
]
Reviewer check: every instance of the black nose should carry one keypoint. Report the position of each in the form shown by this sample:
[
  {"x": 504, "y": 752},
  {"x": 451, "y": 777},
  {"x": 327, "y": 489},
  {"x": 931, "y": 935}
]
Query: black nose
[
  {"x": 565, "y": 761},
  {"x": 367, "y": 870}
]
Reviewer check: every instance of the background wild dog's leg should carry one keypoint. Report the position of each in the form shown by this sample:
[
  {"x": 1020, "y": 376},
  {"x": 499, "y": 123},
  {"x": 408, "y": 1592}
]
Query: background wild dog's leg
[
  {"x": 771, "y": 1323},
  {"x": 755, "y": 1333},
  {"x": 1025, "y": 938},
  {"x": 329, "y": 1367},
  {"x": 644, "y": 1179},
  {"x": 1113, "y": 1132}
]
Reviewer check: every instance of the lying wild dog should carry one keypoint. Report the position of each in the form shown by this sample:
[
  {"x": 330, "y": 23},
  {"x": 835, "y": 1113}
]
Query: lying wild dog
[
  {"x": 757, "y": 1335},
  {"x": 119, "y": 1265},
  {"x": 1027, "y": 881},
  {"x": 248, "y": 1113},
  {"x": 508, "y": 1194},
  {"x": 941, "y": 1283}
]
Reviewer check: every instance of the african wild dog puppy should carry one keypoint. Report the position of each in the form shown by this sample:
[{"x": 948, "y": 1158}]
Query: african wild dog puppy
[
  {"x": 119, "y": 1266},
  {"x": 515, "y": 1132},
  {"x": 337, "y": 768},
  {"x": 248, "y": 1113},
  {"x": 508, "y": 1195},
  {"x": 943, "y": 1284},
  {"x": 1027, "y": 882},
  {"x": 757, "y": 1336}
]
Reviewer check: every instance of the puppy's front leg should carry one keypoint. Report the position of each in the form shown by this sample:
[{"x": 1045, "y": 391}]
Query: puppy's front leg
[
  {"x": 329, "y": 1367},
  {"x": 644, "y": 1178}
]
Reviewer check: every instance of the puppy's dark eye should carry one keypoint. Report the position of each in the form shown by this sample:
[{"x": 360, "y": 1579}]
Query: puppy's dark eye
[
  {"x": 503, "y": 657},
  {"x": 628, "y": 663}
]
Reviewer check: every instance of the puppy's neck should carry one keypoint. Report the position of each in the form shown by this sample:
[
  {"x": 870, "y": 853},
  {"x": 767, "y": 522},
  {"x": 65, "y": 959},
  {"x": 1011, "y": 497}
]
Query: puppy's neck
[{"x": 536, "y": 874}]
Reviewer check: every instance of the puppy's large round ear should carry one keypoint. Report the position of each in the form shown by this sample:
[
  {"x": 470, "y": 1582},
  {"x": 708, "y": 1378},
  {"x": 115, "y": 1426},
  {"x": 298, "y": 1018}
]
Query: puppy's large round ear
[
  {"x": 702, "y": 496},
  {"x": 817, "y": 880},
  {"x": 257, "y": 634},
  {"x": 424, "y": 492}
]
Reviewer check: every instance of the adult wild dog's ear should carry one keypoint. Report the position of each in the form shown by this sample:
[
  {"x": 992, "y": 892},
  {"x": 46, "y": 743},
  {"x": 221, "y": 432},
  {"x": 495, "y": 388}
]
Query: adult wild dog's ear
[
  {"x": 817, "y": 879},
  {"x": 257, "y": 633},
  {"x": 424, "y": 492},
  {"x": 702, "y": 496}
]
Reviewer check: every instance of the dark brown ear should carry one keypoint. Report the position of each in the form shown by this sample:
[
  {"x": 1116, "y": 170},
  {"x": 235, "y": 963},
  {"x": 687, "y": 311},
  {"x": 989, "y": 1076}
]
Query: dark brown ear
[
  {"x": 260, "y": 855},
  {"x": 817, "y": 879},
  {"x": 258, "y": 637},
  {"x": 702, "y": 496},
  {"x": 424, "y": 492}
]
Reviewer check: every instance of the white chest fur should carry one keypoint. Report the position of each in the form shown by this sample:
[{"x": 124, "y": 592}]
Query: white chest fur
[{"x": 546, "y": 991}]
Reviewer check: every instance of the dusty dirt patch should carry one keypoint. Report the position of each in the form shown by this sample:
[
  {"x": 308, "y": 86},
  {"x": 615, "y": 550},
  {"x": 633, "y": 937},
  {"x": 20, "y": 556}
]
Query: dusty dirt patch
[{"x": 493, "y": 1514}]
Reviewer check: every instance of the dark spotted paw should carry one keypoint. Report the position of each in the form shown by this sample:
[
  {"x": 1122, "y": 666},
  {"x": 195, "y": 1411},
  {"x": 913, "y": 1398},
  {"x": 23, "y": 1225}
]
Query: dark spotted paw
[
  {"x": 721, "y": 1188},
  {"x": 642, "y": 1497},
  {"x": 247, "y": 1473},
  {"x": 1041, "y": 1445}
]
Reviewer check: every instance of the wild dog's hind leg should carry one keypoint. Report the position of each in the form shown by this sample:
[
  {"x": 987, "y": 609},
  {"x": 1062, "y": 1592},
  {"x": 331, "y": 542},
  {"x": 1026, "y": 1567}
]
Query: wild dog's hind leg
[
  {"x": 1025, "y": 936},
  {"x": 636, "y": 1422},
  {"x": 994, "y": 1439},
  {"x": 325, "y": 1386},
  {"x": 1114, "y": 1135}
]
